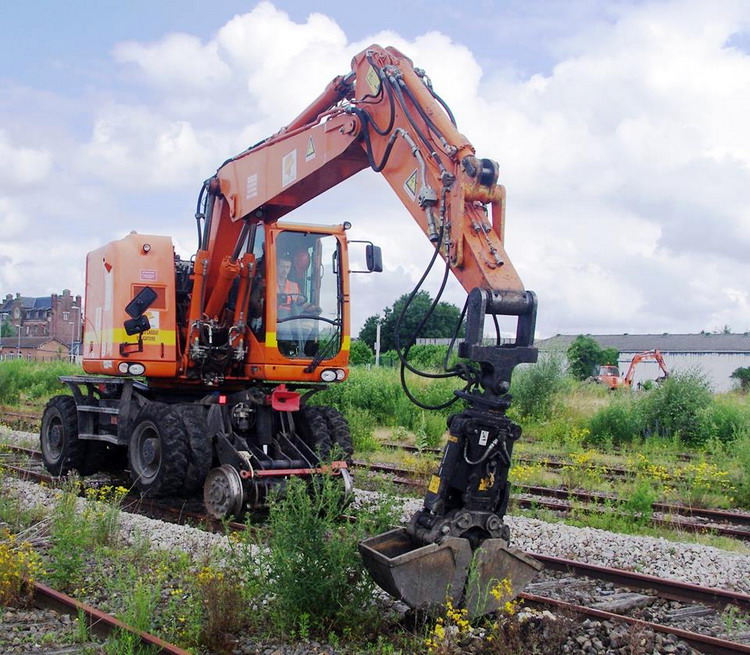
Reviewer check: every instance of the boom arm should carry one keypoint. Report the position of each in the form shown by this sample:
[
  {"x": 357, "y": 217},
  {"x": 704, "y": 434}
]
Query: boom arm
[
  {"x": 383, "y": 115},
  {"x": 638, "y": 358}
]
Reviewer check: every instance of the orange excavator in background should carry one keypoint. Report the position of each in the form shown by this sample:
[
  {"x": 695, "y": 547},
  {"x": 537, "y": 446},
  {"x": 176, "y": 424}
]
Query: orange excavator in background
[
  {"x": 610, "y": 375},
  {"x": 199, "y": 370}
]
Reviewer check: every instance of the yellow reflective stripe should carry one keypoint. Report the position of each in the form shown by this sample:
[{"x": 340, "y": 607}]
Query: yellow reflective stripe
[
  {"x": 345, "y": 343},
  {"x": 152, "y": 337},
  {"x": 271, "y": 340}
]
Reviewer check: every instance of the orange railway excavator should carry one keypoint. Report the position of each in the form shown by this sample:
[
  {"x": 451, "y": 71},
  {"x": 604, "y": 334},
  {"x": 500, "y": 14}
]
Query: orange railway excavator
[
  {"x": 200, "y": 370},
  {"x": 610, "y": 375}
]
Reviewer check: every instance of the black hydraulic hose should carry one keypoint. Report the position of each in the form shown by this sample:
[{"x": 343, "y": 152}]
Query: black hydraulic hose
[
  {"x": 498, "y": 339},
  {"x": 366, "y": 121},
  {"x": 413, "y": 123},
  {"x": 443, "y": 104},
  {"x": 423, "y": 114},
  {"x": 392, "y": 102},
  {"x": 200, "y": 215},
  {"x": 412, "y": 336}
]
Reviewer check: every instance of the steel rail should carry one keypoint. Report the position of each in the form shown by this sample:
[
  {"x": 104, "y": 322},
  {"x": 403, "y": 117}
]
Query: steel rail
[
  {"x": 99, "y": 622},
  {"x": 666, "y": 588},
  {"x": 701, "y": 643},
  {"x": 563, "y": 494}
]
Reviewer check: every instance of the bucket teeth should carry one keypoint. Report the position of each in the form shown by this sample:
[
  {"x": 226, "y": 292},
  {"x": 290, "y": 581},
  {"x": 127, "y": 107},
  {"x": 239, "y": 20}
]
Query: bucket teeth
[{"x": 424, "y": 576}]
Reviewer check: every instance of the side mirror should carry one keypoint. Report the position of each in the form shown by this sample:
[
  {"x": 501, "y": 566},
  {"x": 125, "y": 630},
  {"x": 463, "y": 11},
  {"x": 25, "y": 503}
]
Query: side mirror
[
  {"x": 137, "y": 325},
  {"x": 374, "y": 258},
  {"x": 142, "y": 301}
]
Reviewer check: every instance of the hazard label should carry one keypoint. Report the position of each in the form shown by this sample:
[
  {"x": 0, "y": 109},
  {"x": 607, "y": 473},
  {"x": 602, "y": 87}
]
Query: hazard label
[
  {"x": 411, "y": 185},
  {"x": 373, "y": 81},
  {"x": 310, "y": 152}
]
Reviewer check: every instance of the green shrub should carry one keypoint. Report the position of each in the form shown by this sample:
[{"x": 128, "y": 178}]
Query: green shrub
[
  {"x": 362, "y": 428},
  {"x": 679, "y": 406},
  {"x": 311, "y": 573},
  {"x": 726, "y": 418},
  {"x": 742, "y": 453},
  {"x": 360, "y": 353},
  {"x": 535, "y": 387},
  {"x": 618, "y": 423},
  {"x": 378, "y": 392}
]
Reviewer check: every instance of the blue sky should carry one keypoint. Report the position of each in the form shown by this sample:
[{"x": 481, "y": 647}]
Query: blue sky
[{"x": 620, "y": 128}]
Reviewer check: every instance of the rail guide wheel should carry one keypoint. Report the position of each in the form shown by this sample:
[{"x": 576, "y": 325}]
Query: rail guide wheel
[{"x": 222, "y": 492}]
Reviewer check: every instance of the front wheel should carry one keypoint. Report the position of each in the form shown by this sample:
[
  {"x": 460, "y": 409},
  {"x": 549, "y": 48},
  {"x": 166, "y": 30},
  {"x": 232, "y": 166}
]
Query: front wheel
[
  {"x": 157, "y": 451},
  {"x": 62, "y": 451}
]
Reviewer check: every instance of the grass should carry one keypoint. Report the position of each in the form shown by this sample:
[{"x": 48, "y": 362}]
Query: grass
[{"x": 195, "y": 603}]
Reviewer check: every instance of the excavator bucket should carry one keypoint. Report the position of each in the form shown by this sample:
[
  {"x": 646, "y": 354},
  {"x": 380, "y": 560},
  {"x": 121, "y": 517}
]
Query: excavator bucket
[{"x": 424, "y": 576}]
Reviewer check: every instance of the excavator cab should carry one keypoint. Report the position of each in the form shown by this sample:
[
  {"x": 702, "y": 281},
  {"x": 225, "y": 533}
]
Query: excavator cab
[{"x": 298, "y": 304}]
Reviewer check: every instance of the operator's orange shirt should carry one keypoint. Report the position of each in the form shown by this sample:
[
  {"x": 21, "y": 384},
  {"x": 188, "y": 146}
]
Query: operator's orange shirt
[{"x": 290, "y": 289}]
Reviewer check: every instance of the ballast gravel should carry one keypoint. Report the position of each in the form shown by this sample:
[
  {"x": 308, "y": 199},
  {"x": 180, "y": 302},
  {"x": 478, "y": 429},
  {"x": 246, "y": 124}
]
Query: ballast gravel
[
  {"x": 693, "y": 563},
  {"x": 668, "y": 559}
]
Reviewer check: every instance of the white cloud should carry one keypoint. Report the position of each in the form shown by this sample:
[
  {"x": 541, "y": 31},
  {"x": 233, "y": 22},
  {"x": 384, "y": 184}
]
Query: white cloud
[
  {"x": 627, "y": 163},
  {"x": 21, "y": 166}
]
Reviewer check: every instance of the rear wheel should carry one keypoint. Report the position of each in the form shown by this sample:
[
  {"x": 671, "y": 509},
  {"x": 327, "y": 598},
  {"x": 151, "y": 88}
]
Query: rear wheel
[
  {"x": 62, "y": 451},
  {"x": 338, "y": 428},
  {"x": 158, "y": 450},
  {"x": 199, "y": 446},
  {"x": 312, "y": 426}
]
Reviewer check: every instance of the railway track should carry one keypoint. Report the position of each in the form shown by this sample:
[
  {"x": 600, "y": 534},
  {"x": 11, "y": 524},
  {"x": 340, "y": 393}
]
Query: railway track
[
  {"x": 707, "y": 599},
  {"x": 721, "y": 522},
  {"x": 611, "y": 472}
]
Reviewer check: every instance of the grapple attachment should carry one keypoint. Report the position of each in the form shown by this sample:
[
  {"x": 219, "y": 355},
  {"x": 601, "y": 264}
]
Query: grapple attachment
[{"x": 425, "y": 576}]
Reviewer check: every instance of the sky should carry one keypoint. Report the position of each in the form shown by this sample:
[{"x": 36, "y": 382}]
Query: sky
[{"x": 621, "y": 129}]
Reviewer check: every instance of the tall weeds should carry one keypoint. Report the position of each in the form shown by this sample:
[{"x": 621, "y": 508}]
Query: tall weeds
[{"x": 24, "y": 380}]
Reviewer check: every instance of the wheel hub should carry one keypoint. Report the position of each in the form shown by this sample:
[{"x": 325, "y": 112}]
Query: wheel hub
[
  {"x": 55, "y": 437},
  {"x": 222, "y": 492},
  {"x": 150, "y": 452}
]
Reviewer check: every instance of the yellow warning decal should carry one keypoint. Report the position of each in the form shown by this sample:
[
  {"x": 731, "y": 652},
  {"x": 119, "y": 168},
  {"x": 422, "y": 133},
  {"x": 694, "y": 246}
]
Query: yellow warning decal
[
  {"x": 373, "y": 81},
  {"x": 411, "y": 185},
  {"x": 310, "y": 152},
  {"x": 434, "y": 485},
  {"x": 452, "y": 439},
  {"x": 484, "y": 484}
]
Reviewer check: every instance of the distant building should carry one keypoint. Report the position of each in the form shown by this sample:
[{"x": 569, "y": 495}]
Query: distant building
[
  {"x": 51, "y": 324},
  {"x": 716, "y": 355}
]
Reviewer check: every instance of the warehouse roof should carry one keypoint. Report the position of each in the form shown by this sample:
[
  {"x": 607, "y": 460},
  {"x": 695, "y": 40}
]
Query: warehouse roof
[{"x": 666, "y": 343}]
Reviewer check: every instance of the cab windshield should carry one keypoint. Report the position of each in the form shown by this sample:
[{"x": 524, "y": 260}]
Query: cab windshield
[{"x": 308, "y": 298}]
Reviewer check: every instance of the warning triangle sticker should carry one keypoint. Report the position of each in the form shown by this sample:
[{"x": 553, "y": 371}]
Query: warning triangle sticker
[{"x": 411, "y": 185}]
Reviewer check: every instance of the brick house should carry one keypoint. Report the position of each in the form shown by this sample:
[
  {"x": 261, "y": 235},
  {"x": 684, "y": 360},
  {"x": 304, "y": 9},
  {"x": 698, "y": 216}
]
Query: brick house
[{"x": 48, "y": 324}]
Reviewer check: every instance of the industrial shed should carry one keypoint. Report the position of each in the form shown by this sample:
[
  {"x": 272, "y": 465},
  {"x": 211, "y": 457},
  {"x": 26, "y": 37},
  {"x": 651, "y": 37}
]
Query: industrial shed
[{"x": 716, "y": 355}]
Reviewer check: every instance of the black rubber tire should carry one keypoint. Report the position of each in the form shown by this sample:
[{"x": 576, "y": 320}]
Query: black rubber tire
[
  {"x": 158, "y": 451},
  {"x": 312, "y": 427},
  {"x": 62, "y": 450},
  {"x": 199, "y": 447},
  {"x": 338, "y": 428}
]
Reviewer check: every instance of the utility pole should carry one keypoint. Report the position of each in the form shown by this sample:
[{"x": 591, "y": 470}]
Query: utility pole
[{"x": 377, "y": 343}]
